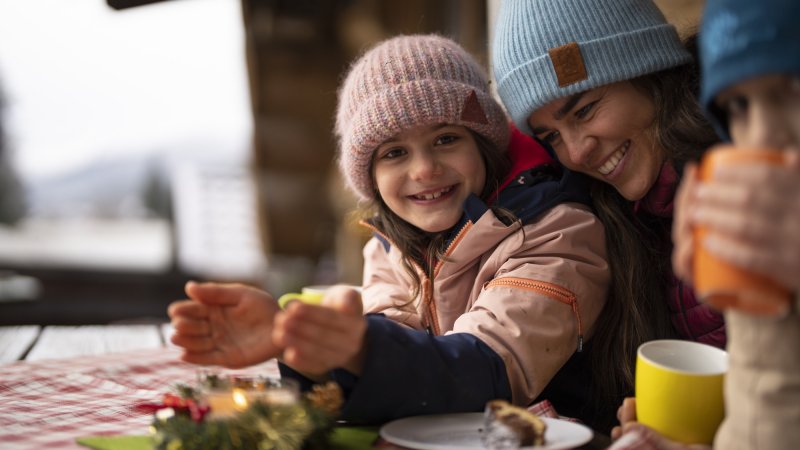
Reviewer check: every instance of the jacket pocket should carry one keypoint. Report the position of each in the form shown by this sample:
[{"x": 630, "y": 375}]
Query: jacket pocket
[{"x": 550, "y": 290}]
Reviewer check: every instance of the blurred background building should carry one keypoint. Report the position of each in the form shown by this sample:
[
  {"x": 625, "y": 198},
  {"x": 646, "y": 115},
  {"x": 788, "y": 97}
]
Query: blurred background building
[{"x": 144, "y": 143}]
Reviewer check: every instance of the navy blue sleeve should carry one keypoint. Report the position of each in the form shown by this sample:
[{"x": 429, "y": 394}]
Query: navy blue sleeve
[{"x": 409, "y": 372}]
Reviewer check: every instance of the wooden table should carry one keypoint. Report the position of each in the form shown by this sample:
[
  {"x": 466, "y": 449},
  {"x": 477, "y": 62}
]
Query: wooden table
[{"x": 36, "y": 343}]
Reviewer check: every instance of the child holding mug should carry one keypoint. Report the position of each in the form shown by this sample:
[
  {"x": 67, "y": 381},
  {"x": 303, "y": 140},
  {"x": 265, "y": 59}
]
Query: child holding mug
[
  {"x": 485, "y": 275},
  {"x": 750, "y": 57}
]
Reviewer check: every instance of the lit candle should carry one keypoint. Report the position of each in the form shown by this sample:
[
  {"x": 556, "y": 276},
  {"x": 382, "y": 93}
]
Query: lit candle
[{"x": 225, "y": 403}]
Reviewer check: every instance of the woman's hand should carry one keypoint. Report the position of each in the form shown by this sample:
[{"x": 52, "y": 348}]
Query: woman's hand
[
  {"x": 224, "y": 324},
  {"x": 682, "y": 238},
  {"x": 320, "y": 338},
  {"x": 628, "y": 424},
  {"x": 752, "y": 213}
]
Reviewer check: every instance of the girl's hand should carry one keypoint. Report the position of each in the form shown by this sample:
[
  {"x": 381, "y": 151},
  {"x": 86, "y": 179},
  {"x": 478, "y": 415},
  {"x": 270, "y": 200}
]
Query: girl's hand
[
  {"x": 626, "y": 413},
  {"x": 682, "y": 238},
  {"x": 752, "y": 213},
  {"x": 628, "y": 424},
  {"x": 224, "y": 324},
  {"x": 320, "y": 338}
]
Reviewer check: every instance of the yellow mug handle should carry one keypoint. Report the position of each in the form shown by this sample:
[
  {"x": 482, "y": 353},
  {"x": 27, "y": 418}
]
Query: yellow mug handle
[{"x": 312, "y": 298}]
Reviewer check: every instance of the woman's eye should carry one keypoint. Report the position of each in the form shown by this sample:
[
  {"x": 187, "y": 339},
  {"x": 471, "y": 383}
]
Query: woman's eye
[
  {"x": 583, "y": 112},
  {"x": 552, "y": 137}
]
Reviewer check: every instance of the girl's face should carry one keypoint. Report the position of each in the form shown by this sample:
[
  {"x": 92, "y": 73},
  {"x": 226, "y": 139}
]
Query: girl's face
[
  {"x": 606, "y": 133},
  {"x": 764, "y": 112},
  {"x": 425, "y": 173}
]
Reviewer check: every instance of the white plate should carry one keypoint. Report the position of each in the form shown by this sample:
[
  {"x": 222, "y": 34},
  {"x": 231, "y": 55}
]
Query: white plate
[{"x": 462, "y": 431}]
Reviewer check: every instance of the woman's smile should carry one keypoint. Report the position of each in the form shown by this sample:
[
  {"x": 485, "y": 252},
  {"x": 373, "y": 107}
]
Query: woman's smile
[{"x": 614, "y": 160}]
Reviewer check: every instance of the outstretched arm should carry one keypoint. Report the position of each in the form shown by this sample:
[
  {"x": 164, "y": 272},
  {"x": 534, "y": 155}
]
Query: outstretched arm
[{"x": 224, "y": 324}]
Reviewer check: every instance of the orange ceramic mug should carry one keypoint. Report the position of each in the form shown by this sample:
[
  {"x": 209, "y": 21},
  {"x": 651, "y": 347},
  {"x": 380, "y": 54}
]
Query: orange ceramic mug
[{"x": 719, "y": 283}]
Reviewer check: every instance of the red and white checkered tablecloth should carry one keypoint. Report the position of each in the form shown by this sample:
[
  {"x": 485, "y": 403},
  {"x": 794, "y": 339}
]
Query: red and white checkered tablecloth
[{"x": 48, "y": 404}]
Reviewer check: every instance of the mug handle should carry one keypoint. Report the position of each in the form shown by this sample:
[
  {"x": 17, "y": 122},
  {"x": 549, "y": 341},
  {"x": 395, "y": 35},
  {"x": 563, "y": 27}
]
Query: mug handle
[{"x": 312, "y": 298}]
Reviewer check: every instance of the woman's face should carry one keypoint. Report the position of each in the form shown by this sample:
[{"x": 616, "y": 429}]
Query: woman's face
[
  {"x": 424, "y": 174},
  {"x": 606, "y": 133},
  {"x": 764, "y": 112}
]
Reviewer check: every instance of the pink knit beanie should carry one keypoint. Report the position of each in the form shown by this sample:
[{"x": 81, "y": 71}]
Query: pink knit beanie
[{"x": 405, "y": 82}]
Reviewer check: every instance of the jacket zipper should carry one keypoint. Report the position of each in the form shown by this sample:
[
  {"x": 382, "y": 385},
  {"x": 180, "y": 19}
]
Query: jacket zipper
[
  {"x": 551, "y": 290},
  {"x": 426, "y": 282}
]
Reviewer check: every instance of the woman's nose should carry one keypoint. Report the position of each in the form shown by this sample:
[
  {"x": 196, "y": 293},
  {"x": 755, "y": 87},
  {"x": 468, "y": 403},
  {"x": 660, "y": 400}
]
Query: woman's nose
[{"x": 580, "y": 148}]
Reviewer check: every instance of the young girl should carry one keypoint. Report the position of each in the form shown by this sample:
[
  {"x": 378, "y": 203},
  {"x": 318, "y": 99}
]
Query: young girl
[
  {"x": 485, "y": 275},
  {"x": 611, "y": 88}
]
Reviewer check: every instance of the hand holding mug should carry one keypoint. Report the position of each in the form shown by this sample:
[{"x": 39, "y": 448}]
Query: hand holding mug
[{"x": 740, "y": 228}]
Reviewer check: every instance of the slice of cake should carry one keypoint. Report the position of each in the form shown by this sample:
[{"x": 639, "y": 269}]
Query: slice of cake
[{"x": 509, "y": 427}]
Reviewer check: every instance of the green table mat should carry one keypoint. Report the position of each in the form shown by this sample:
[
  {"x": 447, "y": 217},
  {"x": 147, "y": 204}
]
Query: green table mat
[{"x": 343, "y": 438}]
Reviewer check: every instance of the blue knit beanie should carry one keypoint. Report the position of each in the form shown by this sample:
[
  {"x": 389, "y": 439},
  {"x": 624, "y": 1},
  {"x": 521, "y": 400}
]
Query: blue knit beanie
[
  {"x": 741, "y": 39},
  {"x": 548, "y": 49}
]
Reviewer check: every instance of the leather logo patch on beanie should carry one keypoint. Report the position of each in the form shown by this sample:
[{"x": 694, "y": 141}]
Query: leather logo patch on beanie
[
  {"x": 568, "y": 64},
  {"x": 472, "y": 111}
]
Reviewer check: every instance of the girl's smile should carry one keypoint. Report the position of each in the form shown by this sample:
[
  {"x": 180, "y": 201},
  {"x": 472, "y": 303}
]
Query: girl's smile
[{"x": 425, "y": 174}]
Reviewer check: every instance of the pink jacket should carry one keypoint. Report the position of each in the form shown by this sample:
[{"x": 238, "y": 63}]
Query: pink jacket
[{"x": 532, "y": 293}]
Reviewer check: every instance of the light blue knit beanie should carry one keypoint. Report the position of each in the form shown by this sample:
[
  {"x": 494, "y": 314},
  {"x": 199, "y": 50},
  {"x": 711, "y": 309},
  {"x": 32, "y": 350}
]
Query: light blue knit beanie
[
  {"x": 741, "y": 39},
  {"x": 547, "y": 49}
]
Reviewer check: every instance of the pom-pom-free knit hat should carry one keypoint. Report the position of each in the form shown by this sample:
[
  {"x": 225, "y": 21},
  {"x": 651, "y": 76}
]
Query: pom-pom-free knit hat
[
  {"x": 405, "y": 82},
  {"x": 547, "y": 49},
  {"x": 741, "y": 39}
]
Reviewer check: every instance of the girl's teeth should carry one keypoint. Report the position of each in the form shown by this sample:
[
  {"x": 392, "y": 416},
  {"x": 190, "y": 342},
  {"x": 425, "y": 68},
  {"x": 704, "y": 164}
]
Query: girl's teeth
[{"x": 433, "y": 196}]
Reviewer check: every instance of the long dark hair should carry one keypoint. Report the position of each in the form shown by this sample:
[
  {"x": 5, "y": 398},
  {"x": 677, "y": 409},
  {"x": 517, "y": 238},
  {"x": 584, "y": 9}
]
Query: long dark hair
[
  {"x": 420, "y": 247},
  {"x": 639, "y": 244}
]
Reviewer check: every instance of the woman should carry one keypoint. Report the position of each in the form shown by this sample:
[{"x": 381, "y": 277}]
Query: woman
[{"x": 611, "y": 88}]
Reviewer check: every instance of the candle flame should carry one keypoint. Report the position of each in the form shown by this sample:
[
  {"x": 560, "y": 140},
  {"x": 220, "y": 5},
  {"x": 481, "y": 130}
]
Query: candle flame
[{"x": 239, "y": 399}]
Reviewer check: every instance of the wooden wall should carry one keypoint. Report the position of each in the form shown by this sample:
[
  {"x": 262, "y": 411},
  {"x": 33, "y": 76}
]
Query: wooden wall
[{"x": 297, "y": 50}]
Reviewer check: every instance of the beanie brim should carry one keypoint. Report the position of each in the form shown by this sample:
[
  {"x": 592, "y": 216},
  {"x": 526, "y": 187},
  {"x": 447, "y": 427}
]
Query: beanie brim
[
  {"x": 608, "y": 60},
  {"x": 761, "y": 58}
]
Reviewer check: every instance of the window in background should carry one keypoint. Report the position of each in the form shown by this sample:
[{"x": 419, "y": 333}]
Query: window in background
[{"x": 101, "y": 108}]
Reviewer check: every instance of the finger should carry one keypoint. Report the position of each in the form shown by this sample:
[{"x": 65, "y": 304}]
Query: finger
[
  {"x": 628, "y": 410},
  {"x": 344, "y": 299},
  {"x": 657, "y": 440},
  {"x": 739, "y": 223},
  {"x": 616, "y": 432},
  {"x": 298, "y": 313},
  {"x": 218, "y": 294},
  {"x": 191, "y": 327},
  {"x": 193, "y": 343},
  {"x": 769, "y": 260},
  {"x": 203, "y": 358},
  {"x": 187, "y": 308}
]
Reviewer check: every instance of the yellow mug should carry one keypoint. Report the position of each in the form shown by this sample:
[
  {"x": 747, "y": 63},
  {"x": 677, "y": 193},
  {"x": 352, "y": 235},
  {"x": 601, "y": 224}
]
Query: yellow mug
[
  {"x": 679, "y": 389},
  {"x": 309, "y": 294}
]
